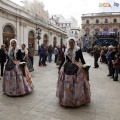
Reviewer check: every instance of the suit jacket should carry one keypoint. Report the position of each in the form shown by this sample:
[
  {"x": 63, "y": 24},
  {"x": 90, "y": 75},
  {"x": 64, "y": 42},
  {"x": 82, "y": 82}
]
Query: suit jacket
[
  {"x": 79, "y": 56},
  {"x": 2, "y": 55}
]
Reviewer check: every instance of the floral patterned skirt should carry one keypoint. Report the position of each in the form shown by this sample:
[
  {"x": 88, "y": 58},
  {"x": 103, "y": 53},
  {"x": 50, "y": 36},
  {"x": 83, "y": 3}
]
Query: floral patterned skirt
[
  {"x": 72, "y": 90},
  {"x": 15, "y": 84}
]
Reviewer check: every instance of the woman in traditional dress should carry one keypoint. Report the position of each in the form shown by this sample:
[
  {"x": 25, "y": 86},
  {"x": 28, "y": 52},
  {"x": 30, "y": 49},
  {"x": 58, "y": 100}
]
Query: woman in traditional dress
[
  {"x": 72, "y": 87},
  {"x": 25, "y": 57},
  {"x": 16, "y": 79}
]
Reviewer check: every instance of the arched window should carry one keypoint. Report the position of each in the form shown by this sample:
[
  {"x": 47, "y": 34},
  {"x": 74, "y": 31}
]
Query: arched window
[
  {"x": 31, "y": 38},
  {"x": 8, "y": 34},
  {"x": 8, "y": 29},
  {"x": 45, "y": 39}
]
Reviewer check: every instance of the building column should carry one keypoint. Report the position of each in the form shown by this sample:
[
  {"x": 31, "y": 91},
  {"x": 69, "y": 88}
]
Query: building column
[
  {"x": 50, "y": 38},
  {"x": 25, "y": 35},
  {"x": 18, "y": 32},
  {"x": 58, "y": 40},
  {"x": 21, "y": 34},
  {"x": 1, "y": 31}
]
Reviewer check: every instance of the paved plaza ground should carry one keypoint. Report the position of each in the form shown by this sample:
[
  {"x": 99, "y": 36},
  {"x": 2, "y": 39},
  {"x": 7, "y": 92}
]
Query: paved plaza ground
[{"x": 42, "y": 103}]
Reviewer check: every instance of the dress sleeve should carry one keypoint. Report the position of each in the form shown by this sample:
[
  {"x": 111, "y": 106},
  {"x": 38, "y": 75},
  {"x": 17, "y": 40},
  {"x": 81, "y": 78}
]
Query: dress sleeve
[
  {"x": 81, "y": 57},
  {"x": 19, "y": 56}
]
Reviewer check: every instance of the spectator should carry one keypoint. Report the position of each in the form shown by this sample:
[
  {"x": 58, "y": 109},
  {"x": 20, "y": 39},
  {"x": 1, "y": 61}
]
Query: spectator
[
  {"x": 109, "y": 59},
  {"x": 31, "y": 53},
  {"x": 41, "y": 55},
  {"x": 114, "y": 52},
  {"x": 116, "y": 66},
  {"x": 50, "y": 53},
  {"x": 96, "y": 56},
  {"x": 56, "y": 53},
  {"x": 2, "y": 58}
]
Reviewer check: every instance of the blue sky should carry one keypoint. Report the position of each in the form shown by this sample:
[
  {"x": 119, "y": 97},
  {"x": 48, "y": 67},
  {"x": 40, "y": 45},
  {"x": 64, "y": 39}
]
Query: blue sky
[{"x": 76, "y": 8}]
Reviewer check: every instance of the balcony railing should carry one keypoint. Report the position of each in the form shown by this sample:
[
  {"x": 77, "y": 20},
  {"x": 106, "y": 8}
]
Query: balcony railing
[{"x": 101, "y": 14}]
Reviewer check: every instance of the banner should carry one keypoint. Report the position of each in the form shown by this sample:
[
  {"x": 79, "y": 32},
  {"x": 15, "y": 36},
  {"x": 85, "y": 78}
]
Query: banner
[
  {"x": 116, "y": 4},
  {"x": 105, "y": 5}
]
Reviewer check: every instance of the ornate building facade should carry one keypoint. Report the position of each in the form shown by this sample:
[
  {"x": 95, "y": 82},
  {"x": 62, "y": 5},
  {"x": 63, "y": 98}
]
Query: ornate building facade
[
  {"x": 20, "y": 22},
  {"x": 70, "y": 25},
  {"x": 94, "y": 22}
]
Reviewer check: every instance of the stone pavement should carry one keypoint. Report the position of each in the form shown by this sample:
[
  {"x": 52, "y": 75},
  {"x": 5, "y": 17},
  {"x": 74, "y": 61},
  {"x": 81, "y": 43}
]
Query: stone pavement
[{"x": 42, "y": 103}]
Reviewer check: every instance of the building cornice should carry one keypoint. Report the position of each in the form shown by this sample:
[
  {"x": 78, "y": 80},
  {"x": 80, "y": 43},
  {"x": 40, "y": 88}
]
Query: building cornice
[
  {"x": 106, "y": 14},
  {"x": 18, "y": 12}
]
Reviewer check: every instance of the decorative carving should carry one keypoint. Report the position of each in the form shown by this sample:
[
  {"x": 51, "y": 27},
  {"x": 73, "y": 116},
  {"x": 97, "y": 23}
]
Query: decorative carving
[{"x": 36, "y": 7}]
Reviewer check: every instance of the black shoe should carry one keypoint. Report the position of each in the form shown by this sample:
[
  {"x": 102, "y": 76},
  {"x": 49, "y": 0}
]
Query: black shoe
[
  {"x": 96, "y": 67},
  {"x": 44, "y": 65},
  {"x": 115, "y": 79},
  {"x": 109, "y": 75}
]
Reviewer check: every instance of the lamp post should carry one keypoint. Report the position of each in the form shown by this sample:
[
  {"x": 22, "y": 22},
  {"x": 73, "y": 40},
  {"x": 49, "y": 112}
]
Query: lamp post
[
  {"x": 38, "y": 32},
  {"x": 61, "y": 42},
  {"x": 118, "y": 37}
]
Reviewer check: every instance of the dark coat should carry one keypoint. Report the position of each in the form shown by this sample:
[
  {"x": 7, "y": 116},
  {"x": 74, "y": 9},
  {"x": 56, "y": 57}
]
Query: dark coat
[
  {"x": 2, "y": 55},
  {"x": 113, "y": 55},
  {"x": 116, "y": 64},
  {"x": 96, "y": 53},
  {"x": 79, "y": 56}
]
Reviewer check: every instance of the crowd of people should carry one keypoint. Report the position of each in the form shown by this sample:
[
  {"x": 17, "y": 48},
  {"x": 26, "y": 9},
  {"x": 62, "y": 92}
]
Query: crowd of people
[
  {"x": 16, "y": 77},
  {"x": 109, "y": 55},
  {"x": 45, "y": 54},
  {"x": 73, "y": 87}
]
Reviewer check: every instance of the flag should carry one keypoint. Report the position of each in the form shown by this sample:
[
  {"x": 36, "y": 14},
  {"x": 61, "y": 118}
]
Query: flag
[
  {"x": 104, "y": 5},
  {"x": 116, "y": 4}
]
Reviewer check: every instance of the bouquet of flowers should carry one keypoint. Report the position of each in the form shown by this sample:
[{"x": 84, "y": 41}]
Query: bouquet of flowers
[
  {"x": 86, "y": 67},
  {"x": 22, "y": 67}
]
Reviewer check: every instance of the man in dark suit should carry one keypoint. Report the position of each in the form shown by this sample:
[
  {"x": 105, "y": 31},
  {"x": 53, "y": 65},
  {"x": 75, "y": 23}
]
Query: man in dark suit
[
  {"x": 2, "y": 58},
  {"x": 96, "y": 56},
  {"x": 31, "y": 53}
]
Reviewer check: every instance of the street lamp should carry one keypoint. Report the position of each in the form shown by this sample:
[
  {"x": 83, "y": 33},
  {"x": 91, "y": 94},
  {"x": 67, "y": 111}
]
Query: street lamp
[
  {"x": 61, "y": 42},
  {"x": 38, "y": 32},
  {"x": 118, "y": 37}
]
